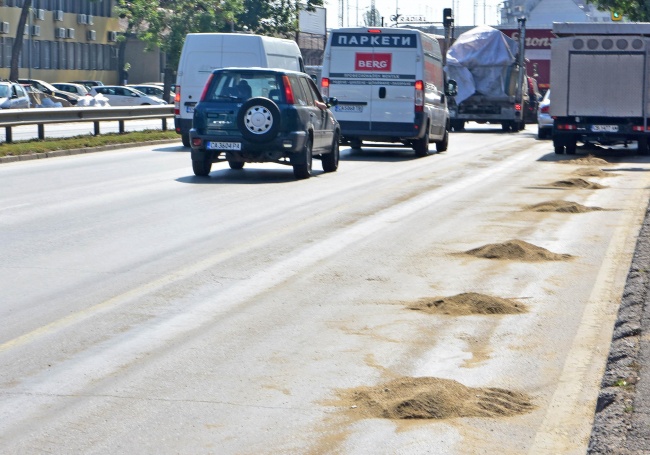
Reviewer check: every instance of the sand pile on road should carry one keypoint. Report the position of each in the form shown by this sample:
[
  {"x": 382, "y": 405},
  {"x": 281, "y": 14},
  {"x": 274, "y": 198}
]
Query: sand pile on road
[
  {"x": 589, "y": 159},
  {"x": 591, "y": 172},
  {"x": 516, "y": 249},
  {"x": 576, "y": 183},
  {"x": 468, "y": 303},
  {"x": 434, "y": 398},
  {"x": 561, "y": 206}
]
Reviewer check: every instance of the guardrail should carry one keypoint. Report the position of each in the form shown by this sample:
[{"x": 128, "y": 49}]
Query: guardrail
[{"x": 42, "y": 116}]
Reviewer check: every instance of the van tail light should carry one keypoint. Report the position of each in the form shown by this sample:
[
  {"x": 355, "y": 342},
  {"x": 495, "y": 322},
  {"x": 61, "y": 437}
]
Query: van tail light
[
  {"x": 205, "y": 88},
  {"x": 517, "y": 107},
  {"x": 325, "y": 86},
  {"x": 288, "y": 92},
  {"x": 177, "y": 101},
  {"x": 419, "y": 96}
]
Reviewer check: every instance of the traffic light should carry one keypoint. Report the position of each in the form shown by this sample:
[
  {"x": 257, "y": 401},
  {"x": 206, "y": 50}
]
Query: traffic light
[
  {"x": 447, "y": 17},
  {"x": 616, "y": 15}
]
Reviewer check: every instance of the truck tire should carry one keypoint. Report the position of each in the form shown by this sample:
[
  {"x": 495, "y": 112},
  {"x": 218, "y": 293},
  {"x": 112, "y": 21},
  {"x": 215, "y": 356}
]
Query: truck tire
[
  {"x": 355, "y": 144},
  {"x": 185, "y": 138},
  {"x": 458, "y": 125},
  {"x": 643, "y": 146},
  {"x": 201, "y": 168},
  {"x": 570, "y": 147},
  {"x": 559, "y": 149},
  {"x": 441, "y": 146},
  {"x": 258, "y": 120},
  {"x": 303, "y": 170},
  {"x": 421, "y": 146}
]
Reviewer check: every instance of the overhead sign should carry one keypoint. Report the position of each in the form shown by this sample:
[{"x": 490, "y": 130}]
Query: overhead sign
[
  {"x": 412, "y": 19},
  {"x": 313, "y": 21}
]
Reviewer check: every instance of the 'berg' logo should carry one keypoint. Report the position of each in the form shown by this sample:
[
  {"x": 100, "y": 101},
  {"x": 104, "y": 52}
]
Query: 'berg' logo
[{"x": 366, "y": 61}]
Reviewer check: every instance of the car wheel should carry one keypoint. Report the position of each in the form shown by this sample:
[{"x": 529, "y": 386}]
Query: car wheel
[
  {"x": 258, "y": 120},
  {"x": 330, "y": 161},
  {"x": 236, "y": 164},
  {"x": 185, "y": 137},
  {"x": 442, "y": 145},
  {"x": 201, "y": 168},
  {"x": 421, "y": 146},
  {"x": 458, "y": 125},
  {"x": 303, "y": 170}
]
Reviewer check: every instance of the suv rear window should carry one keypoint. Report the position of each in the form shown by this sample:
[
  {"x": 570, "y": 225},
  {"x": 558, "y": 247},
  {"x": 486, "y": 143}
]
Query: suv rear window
[{"x": 229, "y": 85}]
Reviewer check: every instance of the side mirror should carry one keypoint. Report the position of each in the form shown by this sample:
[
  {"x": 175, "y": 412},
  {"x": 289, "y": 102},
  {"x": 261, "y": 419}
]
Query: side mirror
[
  {"x": 331, "y": 101},
  {"x": 452, "y": 88}
]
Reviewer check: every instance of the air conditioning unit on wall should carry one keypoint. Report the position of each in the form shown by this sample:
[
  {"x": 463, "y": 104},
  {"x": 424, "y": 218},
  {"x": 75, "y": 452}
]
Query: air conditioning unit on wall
[
  {"x": 36, "y": 30},
  {"x": 39, "y": 14},
  {"x": 69, "y": 33},
  {"x": 89, "y": 20},
  {"x": 58, "y": 15},
  {"x": 112, "y": 36},
  {"x": 60, "y": 32},
  {"x": 4, "y": 27},
  {"x": 91, "y": 35},
  {"x": 82, "y": 19}
]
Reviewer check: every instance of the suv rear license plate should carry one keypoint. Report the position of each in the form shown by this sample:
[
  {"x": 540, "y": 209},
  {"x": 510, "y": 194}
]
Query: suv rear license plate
[
  {"x": 604, "y": 128},
  {"x": 224, "y": 145},
  {"x": 348, "y": 108}
]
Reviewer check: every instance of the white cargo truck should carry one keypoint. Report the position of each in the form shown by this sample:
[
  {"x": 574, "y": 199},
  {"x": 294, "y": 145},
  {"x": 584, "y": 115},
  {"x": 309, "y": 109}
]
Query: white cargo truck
[
  {"x": 599, "y": 77},
  {"x": 390, "y": 86}
]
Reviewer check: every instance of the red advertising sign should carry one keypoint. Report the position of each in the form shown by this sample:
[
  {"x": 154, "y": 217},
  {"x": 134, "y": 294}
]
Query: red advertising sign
[{"x": 367, "y": 61}]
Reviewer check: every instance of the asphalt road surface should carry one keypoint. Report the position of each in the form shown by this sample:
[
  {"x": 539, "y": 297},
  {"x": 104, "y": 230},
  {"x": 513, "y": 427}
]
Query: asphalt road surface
[{"x": 401, "y": 305}]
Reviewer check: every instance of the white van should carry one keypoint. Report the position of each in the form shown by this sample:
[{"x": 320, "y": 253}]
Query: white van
[
  {"x": 204, "y": 52},
  {"x": 390, "y": 86}
]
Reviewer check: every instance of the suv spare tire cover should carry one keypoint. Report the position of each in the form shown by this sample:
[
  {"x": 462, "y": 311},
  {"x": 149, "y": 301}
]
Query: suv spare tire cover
[{"x": 258, "y": 120}]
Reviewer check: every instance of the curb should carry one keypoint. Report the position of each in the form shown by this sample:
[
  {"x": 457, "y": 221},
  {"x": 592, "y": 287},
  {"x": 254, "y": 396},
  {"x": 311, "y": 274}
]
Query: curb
[{"x": 55, "y": 153}]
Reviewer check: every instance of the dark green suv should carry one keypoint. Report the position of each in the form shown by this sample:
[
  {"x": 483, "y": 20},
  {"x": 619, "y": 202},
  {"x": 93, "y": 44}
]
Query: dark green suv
[{"x": 255, "y": 115}]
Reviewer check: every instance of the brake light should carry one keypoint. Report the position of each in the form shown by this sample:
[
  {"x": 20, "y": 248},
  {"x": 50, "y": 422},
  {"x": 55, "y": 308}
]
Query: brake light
[
  {"x": 544, "y": 109},
  {"x": 562, "y": 126},
  {"x": 419, "y": 96},
  {"x": 288, "y": 92},
  {"x": 177, "y": 101},
  {"x": 374, "y": 30},
  {"x": 517, "y": 107},
  {"x": 325, "y": 86},
  {"x": 205, "y": 88}
]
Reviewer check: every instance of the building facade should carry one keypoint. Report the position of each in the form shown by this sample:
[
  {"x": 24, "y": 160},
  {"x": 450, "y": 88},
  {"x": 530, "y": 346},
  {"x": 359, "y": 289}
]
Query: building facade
[{"x": 64, "y": 40}]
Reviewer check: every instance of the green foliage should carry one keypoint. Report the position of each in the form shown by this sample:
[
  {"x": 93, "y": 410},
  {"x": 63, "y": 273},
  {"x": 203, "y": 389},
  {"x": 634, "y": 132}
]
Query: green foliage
[
  {"x": 634, "y": 10},
  {"x": 164, "y": 23}
]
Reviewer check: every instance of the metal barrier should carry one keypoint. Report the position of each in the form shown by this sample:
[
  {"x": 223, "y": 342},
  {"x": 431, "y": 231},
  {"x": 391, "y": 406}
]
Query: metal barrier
[{"x": 42, "y": 116}]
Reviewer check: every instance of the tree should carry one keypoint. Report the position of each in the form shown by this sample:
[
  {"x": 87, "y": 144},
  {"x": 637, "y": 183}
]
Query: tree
[
  {"x": 372, "y": 18},
  {"x": 164, "y": 23},
  {"x": 635, "y": 10},
  {"x": 18, "y": 42}
]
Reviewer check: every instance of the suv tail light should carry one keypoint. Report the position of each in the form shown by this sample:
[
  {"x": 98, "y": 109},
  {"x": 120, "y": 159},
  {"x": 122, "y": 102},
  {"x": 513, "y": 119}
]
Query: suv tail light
[
  {"x": 419, "y": 96},
  {"x": 325, "y": 86},
  {"x": 288, "y": 92},
  {"x": 205, "y": 88},
  {"x": 177, "y": 101}
]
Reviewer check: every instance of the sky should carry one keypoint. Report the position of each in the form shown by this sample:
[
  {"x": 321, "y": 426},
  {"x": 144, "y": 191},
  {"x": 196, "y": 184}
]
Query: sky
[{"x": 466, "y": 12}]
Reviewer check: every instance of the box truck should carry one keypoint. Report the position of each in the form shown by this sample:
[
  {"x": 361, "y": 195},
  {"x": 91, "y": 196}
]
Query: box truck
[{"x": 599, "y": 78}]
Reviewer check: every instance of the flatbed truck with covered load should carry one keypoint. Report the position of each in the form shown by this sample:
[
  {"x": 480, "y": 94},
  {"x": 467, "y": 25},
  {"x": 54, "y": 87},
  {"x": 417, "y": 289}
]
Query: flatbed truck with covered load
[{"x": 600, "y": 84}]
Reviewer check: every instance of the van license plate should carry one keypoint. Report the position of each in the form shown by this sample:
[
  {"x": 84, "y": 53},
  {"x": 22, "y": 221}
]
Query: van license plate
[
  {"x": 189, "y": 109},
  {"x": 604, "y": 128},
  {"x": 348, "y": 108},
  {"x": 224, "y": 145}
]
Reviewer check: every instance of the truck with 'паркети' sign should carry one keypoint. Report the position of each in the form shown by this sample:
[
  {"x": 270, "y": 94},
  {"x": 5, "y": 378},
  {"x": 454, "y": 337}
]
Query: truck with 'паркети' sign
[{"x": 599, "y": 77}]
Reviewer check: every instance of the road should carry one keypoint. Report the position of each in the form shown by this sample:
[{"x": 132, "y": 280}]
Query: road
[{"x": 145, "y": 310}]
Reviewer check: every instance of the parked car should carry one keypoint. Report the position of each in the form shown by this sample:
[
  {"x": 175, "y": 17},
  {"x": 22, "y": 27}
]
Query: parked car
[
  {"x": 119, "y": 95},
  {"x": 88, "y": 83},
  {"x": 49, "y": 89},
  {"x": 544, "y": 119},
  {"x": 254, "y": 115},
  {"x": 77, "y": 89},
  {"x": 153, "y": 90},
  {"x": 13, "y": 96}
]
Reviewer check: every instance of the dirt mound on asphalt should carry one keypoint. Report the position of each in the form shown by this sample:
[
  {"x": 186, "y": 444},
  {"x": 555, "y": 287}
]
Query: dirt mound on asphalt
[
  {"x": 468, "y": 303},
  {"x": 576, "y": 183},
  {"x": 434, "y": 398},
  {"x": 591, "y": 172},
  {"x": 561, "y": 206},
  {"x": 516, "y": 249},
  {"x": 589, "y": 159}
]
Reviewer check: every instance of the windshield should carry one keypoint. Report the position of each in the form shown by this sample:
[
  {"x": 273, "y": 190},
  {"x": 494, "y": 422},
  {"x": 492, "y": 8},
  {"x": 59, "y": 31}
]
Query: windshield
[{"x": 241, "y": 85}]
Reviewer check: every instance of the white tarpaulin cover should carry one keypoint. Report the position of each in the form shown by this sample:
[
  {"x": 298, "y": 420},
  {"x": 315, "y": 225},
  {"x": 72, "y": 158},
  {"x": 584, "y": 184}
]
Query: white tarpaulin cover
[{"x": 479, "y": 61}]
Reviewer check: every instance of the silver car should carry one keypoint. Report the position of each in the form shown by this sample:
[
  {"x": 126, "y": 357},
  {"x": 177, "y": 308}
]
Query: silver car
[
  {"x": 13, "y": 96},
  {"x": 119, "y": 95},
  {"x": 544, "y": 119}
]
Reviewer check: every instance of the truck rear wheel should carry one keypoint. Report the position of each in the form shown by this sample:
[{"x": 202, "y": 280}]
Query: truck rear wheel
[{"x": 643, "y": 146}]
